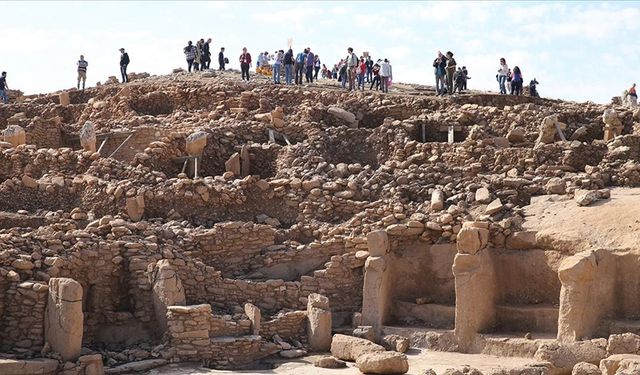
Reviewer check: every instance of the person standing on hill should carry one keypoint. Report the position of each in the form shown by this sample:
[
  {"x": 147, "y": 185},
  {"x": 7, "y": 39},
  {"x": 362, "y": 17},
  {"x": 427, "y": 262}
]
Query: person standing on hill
[
  {"x": 450, "y": 70},
  {"x": 206, "y": 54},
  {"x": 245, "y": 63},
  {"x": 221, "y": 58},
  {"x": 516, "y": 81},
  {"x": 82, "y": 71},
  {"x": 190, "y": 54},
  {"x": 376, "y": 77},
  {"x": 277, "y": 63},
  {"x": 309, "y": 62},
  {"x": 351, "y": 62},
  {"x": 3, "y": 88},
  {"x": 124, "y": 62},
  {"x": 288, "y": 66},
  {"x": 386, "y": 75},
  {"x": 439, "y": 65},
  {"x": 633, "y": 96},
  {"x": 503, "y": 73},
  {"x": 299, "y": 66},
  {"x": 369, "y": 65},
  {"x": 198, "y": 60},
  {"x": 316, "y": 67}
]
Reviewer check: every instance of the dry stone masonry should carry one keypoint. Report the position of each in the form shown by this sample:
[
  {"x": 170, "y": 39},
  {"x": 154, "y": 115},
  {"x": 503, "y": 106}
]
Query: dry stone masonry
[{"x": 193, "y": 217}]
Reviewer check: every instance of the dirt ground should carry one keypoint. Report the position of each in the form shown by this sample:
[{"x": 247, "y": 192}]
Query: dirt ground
[
  {"x": 419, "y": 360},
  {"x": 610, "y": 224}
]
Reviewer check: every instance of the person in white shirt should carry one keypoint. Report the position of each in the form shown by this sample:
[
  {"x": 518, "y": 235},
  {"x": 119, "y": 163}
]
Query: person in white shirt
[
  {"x": 386, "y": 75},
  {"x": 503, "y": 73}
]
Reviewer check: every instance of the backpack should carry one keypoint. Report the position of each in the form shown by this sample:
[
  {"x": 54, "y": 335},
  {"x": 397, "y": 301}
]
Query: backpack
[{"x": 300, "y": 58}]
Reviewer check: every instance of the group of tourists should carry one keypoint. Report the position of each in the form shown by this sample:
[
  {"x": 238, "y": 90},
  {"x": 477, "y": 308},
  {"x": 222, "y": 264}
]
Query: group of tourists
[
  {"x": 199, "y": 55},
  {"x": 511, "y": 81},
  {"x": 449, "y": 77}
]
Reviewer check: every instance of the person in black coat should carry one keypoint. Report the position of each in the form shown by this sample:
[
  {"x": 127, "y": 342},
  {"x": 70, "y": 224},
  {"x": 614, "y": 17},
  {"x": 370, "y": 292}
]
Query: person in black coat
[
  {"x": 124, "y": 61},
  {"x": 221, "y": 58},
  {"x": 206, "y": 54}
]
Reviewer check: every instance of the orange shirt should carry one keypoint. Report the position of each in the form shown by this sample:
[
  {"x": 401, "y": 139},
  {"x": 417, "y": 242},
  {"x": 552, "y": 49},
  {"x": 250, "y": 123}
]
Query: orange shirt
[{"x": 632, "y": 91}]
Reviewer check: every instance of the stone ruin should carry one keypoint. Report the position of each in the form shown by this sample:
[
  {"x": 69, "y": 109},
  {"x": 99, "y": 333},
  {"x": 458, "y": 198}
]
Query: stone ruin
[{"x": 197, "y": 218}]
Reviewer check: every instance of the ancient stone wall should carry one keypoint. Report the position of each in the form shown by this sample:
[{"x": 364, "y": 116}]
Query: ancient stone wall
[
  {"x": 23, "y": 316},
  {"x": 289, "y": 326}
]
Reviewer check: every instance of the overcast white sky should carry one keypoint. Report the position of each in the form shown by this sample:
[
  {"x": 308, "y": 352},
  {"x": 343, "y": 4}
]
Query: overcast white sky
[{"x": 577, "y": 50}]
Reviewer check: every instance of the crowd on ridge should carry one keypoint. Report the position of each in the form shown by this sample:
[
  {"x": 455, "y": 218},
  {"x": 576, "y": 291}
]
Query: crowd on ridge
[{"x": 352, "y": 72}]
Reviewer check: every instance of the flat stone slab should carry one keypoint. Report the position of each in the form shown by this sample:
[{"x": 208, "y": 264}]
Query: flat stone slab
[
  {"x": 138, "y": 366},
  {"x": 40, "y": 366}
]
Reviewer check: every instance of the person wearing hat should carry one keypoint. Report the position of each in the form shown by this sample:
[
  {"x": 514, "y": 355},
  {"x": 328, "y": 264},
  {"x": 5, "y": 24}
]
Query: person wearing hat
[
  {"x": 124, "y": 61},
  {"x": 450, "y": 70}
]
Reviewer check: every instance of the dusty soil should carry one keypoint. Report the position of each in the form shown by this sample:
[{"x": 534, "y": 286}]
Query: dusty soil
[
  {"x": 610, "y": 224},
  {"x": 419, "y": 360}
]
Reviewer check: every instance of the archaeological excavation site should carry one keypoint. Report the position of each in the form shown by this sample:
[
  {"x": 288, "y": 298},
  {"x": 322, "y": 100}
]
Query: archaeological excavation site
[{"x": 195, "y": 221}]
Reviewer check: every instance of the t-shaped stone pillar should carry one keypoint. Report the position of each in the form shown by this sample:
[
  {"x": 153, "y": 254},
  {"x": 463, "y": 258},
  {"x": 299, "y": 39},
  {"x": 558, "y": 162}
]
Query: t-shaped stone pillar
[
  {"x": 318, "y": 322},
  {"x": 167, "y": 290},
  {"x": 376, "y": 288},
  {"x": 64, "y": 318},
  {"x": 88, "y": 137},
  {"x": 475, "y": 284}
]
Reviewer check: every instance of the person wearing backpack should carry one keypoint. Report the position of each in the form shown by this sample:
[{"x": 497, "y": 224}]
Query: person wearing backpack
[
  {"x": 221, "y": 59},
  {"x": 299, "y": 66},
  {"x": 516, "y": 81},
  {"x": 190, "y": 54},
  {"x": 288, "y": 66},
  {"x": 124, "y": 62}
]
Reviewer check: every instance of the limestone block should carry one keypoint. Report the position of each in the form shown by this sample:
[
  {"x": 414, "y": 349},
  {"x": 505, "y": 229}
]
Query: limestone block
[
  {"x": 365, "y": 332},
  {"x": 522, "y": 240},
  {"x": 563, "y": 357},
  {"x": 15, "y": 135},
  {"x": 329, "y": 362},
  {"x": 437, "y": 200},
  {"x": 318, "y": 323},
  {"x": 548, "y": 129},
  {"x": 475, "y": 286},
  {"x": 63, "y": 97},
  {"x": 29, "y": 182},
  {"x": 585, "y": 197},
  {"x": 516, "y": 135},
  {"x": 483, "y": 196},
  {"x": 64, "y": 318},
  {"x": 167, "y": 290},
  {"x": 493, "y": 207},
  {"x": 233, "y": 164},
  {"x": 378, "y": 243},
  {"x": 395, "y": 342},
  {"x": 342, "y": 114},
  {"x": 575, "y": 319},
  {"x": 135, "y": 207},
  {"x": 349, "y": 348},
  {"x": 255, "y": 316},
  {"x": 92, "y": 364},
  {"x": 471, "y": 240},
  {"x": 245, "y": 161},
  {"x": 195, "y": 143},
  {"x": 28, "y": 366},
  {"x": 383, "y": 363},
  {"x": 626, "y": 343},
  {"x": 88, "y": 137},
  {"x": 585, "y": 368}
]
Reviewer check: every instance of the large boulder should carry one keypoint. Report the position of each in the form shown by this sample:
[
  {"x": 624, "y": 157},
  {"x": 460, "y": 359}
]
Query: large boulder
[
  {"x": 15, "y": 135},
  {"x": 585, "y": 368},
  {"x": 626, "y": 343},
  {"x": 396, "y": 343},
  {"x": 349, "y": 348},
  {"x": 563, "y": 356},
  {"x": 383, "y": 363},
  {"x": 618, "y": 364}
]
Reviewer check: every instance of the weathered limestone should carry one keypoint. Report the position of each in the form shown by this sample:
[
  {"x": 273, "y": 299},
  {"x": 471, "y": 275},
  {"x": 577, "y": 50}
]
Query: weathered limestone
[
  {"x": 233, "y": 164},
  {"x": 135, "y": 207},
  {"x": 64, "y": 318},
  {"x": 346, "y": 116},
  {"x": 620, "y": 364},
  {"x": 92, "y": 364},
  {"x": 318, "y": 322},
  {"x": 564, "y": 356},
  {"x": 245, "y": 161},
  {"x": 396, "y": 343},
  {"x": 437, "y": 200},
  {"x": 585, "y": 368},
  {"x": 474, "y": 284},
  {"x": 548, "y": 128},
  {"x": 277, "y": 117},
  {"x": 483, "y": 196},
  {"x": 88, "y": 137},
  {"x": 39, "y": 366},
  {"x": 15, "y": 135},
  {"x": 376, "y": 304},
  {"x": 64, "y": 99},
  {"x": 349, "y": 348},
  {"x": 196, "y": 142},
  {"x": 383, "y": 363},
  {"x": 254, "y": 314},
  {"x": 167, "y": 290},
  {"x": 576, "y": 317},
  {"x": 612, "y": 125},
  {"x": 329, "y": 362}
]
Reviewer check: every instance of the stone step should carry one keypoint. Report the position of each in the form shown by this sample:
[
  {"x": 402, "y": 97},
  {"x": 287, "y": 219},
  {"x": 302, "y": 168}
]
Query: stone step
[
  {"x": 527, "y": 318},
  {"x": 431, "y": 314},
  {"x": 508, "y": 345}
]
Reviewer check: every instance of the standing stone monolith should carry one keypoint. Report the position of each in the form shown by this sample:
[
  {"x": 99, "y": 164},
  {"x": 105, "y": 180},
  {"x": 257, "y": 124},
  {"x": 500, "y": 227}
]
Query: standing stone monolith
[
  {"x": 64, "y": 99},
  {"x": 167, "y": 290},
  {"x": 254, "y": 314},
  {"x": 88, "y": 137},
  {"x": 64, "y": 318},
  {"x": 318, "y": 322},
  {"x": 196, "y": 143},
  {"x": 15, "y": 135}
]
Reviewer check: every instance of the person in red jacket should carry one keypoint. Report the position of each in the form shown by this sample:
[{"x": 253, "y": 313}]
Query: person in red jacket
[{"x": 245, "y": 63}]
